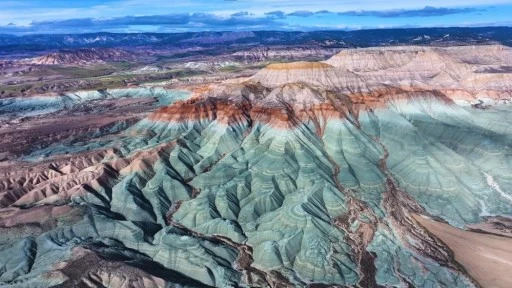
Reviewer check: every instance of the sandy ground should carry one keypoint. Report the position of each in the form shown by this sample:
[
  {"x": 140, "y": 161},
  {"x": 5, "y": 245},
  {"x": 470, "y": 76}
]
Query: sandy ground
[{"x": 488, "y": 258}]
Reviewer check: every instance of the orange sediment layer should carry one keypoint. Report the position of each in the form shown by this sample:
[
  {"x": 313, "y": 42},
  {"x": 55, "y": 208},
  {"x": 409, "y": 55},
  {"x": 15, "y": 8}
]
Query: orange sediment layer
[
  {"x": 228, "y": 112},
  {"x": 284, "y": 115},
  {"x": 199, "y": 90},
  {"x": 222, "y": 110},
  {"x": 462, "y": 94}
]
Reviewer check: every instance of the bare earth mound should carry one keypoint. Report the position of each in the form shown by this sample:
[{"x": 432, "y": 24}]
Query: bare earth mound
[{"x": 488, "y": 258}]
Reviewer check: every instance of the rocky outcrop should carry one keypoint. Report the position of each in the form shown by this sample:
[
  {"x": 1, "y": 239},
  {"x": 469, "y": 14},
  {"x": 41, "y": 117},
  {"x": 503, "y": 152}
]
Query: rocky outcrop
[{"x": 463, "y": 73}]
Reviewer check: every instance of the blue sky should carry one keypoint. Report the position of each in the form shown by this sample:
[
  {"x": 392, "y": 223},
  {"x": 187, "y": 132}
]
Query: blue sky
[{"x": 70, "y": 16}]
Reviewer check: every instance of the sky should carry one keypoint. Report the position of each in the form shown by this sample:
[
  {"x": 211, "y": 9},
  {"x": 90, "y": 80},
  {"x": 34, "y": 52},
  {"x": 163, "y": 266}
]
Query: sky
[{"x": 85, "y": 16}]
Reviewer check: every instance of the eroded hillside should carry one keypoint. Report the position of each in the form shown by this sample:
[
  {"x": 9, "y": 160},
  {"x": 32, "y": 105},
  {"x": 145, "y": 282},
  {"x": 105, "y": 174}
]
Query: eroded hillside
[{"x": 339, "y": 173}]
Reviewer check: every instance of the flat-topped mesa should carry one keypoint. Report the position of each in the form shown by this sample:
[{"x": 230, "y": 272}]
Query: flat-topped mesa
[
  {"x": 403, "y": 66},
  {"x": 312, "y": 73},
  {"x": 285, "y": 94},
  {"x": 354, "y": 71},
  {"x": 436, "y": 66},
  {"x": 372, "y": 59},
  {"x": 379, "y": 58}
]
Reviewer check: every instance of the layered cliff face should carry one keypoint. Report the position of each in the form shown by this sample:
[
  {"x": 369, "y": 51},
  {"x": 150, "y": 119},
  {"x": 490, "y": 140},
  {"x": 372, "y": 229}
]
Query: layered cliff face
[{"x": 347, "y": 172}]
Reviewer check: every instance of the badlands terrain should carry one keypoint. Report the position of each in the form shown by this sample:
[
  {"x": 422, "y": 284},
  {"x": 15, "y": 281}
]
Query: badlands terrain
[{"x": 376, "y": 167}]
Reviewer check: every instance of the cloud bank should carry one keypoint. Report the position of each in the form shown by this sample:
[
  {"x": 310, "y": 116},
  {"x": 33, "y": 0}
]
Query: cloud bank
[
  {"x": 427, "y": 11},
  {"x": 281, "y": 19}
]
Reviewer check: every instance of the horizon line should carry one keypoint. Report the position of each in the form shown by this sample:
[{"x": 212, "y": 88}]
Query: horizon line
[{"x": 263, "y": 30}]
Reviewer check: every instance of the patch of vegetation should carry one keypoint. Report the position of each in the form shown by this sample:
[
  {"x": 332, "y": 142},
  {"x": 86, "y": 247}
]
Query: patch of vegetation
[
  {"x": 231, "y": 69},
  {"x": 7, "y": 90},
  {"x": 124, "y": 65},
  {"x": 76, "y": 71}
]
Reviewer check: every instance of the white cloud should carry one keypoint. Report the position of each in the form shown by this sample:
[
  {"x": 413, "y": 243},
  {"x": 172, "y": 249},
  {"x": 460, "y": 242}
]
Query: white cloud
[{"x": 22, "y": 14}]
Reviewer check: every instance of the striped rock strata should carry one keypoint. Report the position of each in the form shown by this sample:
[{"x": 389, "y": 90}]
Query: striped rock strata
[{"x": 303, "y": 175}]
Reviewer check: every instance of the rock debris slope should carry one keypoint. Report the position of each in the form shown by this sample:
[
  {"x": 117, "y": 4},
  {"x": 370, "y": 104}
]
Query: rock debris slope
[{"x": 306, "y": 174}]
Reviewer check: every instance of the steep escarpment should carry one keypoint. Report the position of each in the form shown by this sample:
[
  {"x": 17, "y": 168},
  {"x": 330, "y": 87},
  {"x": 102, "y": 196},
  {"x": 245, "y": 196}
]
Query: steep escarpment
[{"x": 305, "y": 174}]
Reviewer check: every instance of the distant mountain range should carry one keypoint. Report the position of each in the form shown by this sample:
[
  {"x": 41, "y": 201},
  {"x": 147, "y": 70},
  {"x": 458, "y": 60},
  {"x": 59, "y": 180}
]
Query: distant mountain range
[
  {"x": 10, "y": 44},
  {"x": 81, "y": 56}
]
